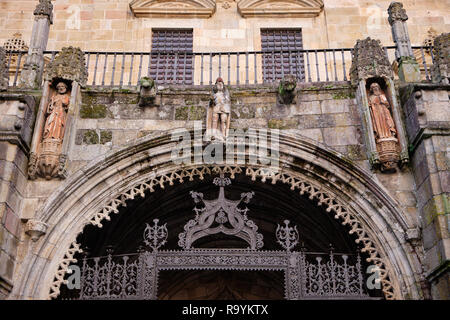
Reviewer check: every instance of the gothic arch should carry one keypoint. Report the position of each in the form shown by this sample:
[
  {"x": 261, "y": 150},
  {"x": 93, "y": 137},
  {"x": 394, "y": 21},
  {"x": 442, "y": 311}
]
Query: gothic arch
[{"x": 346, "y": 191}]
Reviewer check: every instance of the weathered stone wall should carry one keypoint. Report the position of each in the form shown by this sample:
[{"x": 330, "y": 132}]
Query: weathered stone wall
[{"x": 110, "y": 25}]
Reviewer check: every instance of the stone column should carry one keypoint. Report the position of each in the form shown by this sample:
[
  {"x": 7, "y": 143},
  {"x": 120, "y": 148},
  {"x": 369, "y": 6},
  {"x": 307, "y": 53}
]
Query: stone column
[
  {"x": 57, "y": 114},
  {"x": 370, "y": 65},
  {"x": 16, "y": 124},
  {"x": 408, "y": 68},
  {"x": 31, "y": 75}
]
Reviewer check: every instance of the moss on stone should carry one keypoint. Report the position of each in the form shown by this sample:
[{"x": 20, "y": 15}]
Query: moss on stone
[
  {"x": 90, "y": 137},
  {"x": 182, "y": 113},
  {"x": 344, "y": 95},
  {"x": 95, "y": 111},
  {"x": 283, "y": 124},
  {"x": 105, "y": 136},
  {"x": 197, "y": 113}
]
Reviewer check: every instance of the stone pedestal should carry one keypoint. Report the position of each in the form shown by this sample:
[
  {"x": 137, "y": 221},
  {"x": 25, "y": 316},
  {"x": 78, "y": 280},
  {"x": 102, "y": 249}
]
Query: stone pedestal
[{"x": 408, "y": 70}]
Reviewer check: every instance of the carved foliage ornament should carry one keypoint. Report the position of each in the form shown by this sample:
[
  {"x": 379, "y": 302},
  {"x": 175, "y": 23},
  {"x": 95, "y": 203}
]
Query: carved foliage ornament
[
  {"x": 3, "y": 70},
  {"x": 69, "y": 65},
  {"x": 396, "y": 12},
  {"x": 44, "y": 8},
  {"x": 369, "y": 60}
]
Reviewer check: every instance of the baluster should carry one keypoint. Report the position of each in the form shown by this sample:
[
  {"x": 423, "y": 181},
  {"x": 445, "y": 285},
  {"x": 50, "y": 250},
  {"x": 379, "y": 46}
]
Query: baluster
[
  {"x": 347, "y": 280},
  {"x": 113, "y": 69},
  {"x": 237, "y": 68},
  {"x": 131, "y": 69},
  {"x": 108, "y": 274},
  {"x": 432, "y": 55},
  {"x": 360, "y": 276},
  {"x": 123, "y": 70},
  {"x": 88, "y": 62},
  {"x": 17, "y": 69},
  {"x": 124, "y": 277},
  {"x": 317, "y": 66},
  {"x": 246, "y": 68},
  {"x": 104, "y": 69},
  {"x": 95, "y": 69},
  {"x": 333, "y": 271},
  {"x": 334, "y": 62},
  {"x": 96, "y": 278},
  {"x": 424, "y": 63},
  {"x": 150, "y": 65},
  {"x": 140, "y": 67},
  {"x": 326, "y": 65},
  {"x": 256, "y": 69},
  {"x": 309, "y": 69},
  {"x": 229, "y": 68},
  {"x": 210, "y": 68},
  {"x": 343, "y": 65},
  {"x": 201, "y": 68},
  {"x": 220, "y": 65}
]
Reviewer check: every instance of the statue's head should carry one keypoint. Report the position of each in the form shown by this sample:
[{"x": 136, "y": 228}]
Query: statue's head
[
  {"x": 61, "y": 87},
  {"x": 220, "y": 85},
  {"x": 375, "y": 88}
]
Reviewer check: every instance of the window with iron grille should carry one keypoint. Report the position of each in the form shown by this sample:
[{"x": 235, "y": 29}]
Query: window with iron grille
[
  {"x": 172, "y": 59},
  {"x": 281, "y": 54}
]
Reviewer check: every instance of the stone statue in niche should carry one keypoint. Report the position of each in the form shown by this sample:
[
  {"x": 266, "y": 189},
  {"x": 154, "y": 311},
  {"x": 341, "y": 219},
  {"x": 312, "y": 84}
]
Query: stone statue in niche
[
  {"x": 384, "y": 127},
  {"x": 219, "y": 113},
  {"x": 54, "y": 129},
  {"x": 56, "y": 113}
]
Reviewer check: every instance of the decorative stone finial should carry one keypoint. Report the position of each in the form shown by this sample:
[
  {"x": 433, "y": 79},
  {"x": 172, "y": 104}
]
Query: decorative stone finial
[
  {"x": 441, "y": 66},
  {"x": 35, "y": 229},
  {"x": 70, "y": 65},
  {"x": 369, "y": 60},
  {"x": 44, "y": 8},
  {"x": 396, "y": 13},
  {"x": 3, "y": 70}
]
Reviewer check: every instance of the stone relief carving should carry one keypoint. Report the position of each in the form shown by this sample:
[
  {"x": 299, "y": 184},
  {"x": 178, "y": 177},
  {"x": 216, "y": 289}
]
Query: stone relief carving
[
  {"x": 69, "y": 65},
  {"x": 173, "y": 8},
  {"x": 298, "y": 8},
  {"x": 44, "y": 8},
  {"x": 384, "y": 127},
  {"x": 219, "y": 112},
  {"x": 3, "y": 70},
  {"x": 397, "y": 12},
  {"x": 441, "y": 66}
]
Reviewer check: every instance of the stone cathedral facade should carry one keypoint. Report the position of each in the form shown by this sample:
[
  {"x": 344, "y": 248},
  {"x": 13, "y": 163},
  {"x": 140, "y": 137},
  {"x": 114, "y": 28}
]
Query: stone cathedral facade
[{"x": 224, "y": 149}]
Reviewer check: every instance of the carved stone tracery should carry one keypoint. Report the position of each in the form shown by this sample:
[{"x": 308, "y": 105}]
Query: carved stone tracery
[{"x": 333, "y": 205}]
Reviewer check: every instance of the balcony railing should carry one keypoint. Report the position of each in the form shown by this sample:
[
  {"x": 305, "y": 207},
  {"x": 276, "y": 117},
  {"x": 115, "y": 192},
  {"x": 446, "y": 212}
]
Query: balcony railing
[{"x": 124, "y": 69}]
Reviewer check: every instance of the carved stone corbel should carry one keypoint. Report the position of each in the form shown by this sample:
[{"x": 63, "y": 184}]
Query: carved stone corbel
[
  {"x": 384, "y": 131},
  {"x": 441, "y": 66},
  {"x": 35, "y": 229},
  {"x": 56, "y": 118},
  {"x": 147, "y": 91},
  {"x": 286, "y": 89},
  {"x": 3, "y": 70}
]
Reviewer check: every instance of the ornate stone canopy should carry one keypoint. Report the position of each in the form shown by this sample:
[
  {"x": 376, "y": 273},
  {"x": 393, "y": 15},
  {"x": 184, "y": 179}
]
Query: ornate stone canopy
[
  {"x": 177, "y": 8},
  {"x": 298, "y": 8}
]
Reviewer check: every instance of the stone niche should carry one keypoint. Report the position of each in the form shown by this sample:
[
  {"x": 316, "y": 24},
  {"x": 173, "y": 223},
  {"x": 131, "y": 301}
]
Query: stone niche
[
  {"x": 55, "y": 124},
  {"x": 380, "y": 111}
]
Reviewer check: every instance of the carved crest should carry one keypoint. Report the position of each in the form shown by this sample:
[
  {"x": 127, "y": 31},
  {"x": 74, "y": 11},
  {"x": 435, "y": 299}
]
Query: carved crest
[
  {"x": 174, "y": 8},
  {"x": 221, "y": 216},
  {"x": 70, "y": 65},
  {"x": 298, "y": 8}
]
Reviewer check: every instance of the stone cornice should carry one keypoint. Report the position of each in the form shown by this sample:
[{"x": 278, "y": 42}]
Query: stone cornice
[
  {"x": 275, "y": 8},
  {"x": 174, "y": 8}
]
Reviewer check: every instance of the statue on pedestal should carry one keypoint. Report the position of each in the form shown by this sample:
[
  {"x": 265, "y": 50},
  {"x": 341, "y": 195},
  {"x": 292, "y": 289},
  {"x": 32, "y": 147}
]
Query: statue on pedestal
[
  {"x": 219, "y": 113},
  {"x": 56, "y": 113}
]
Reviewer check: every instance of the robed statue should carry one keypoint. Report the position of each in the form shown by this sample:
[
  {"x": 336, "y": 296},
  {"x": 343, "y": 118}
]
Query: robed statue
[
  {"x": 383, "y": 124},
  {"x": 56, "y": 113},
  {"x": 219, "y": 113}
]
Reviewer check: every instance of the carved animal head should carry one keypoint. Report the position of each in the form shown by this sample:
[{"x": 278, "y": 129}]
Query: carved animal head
[{"x": 147, "y": 82}]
